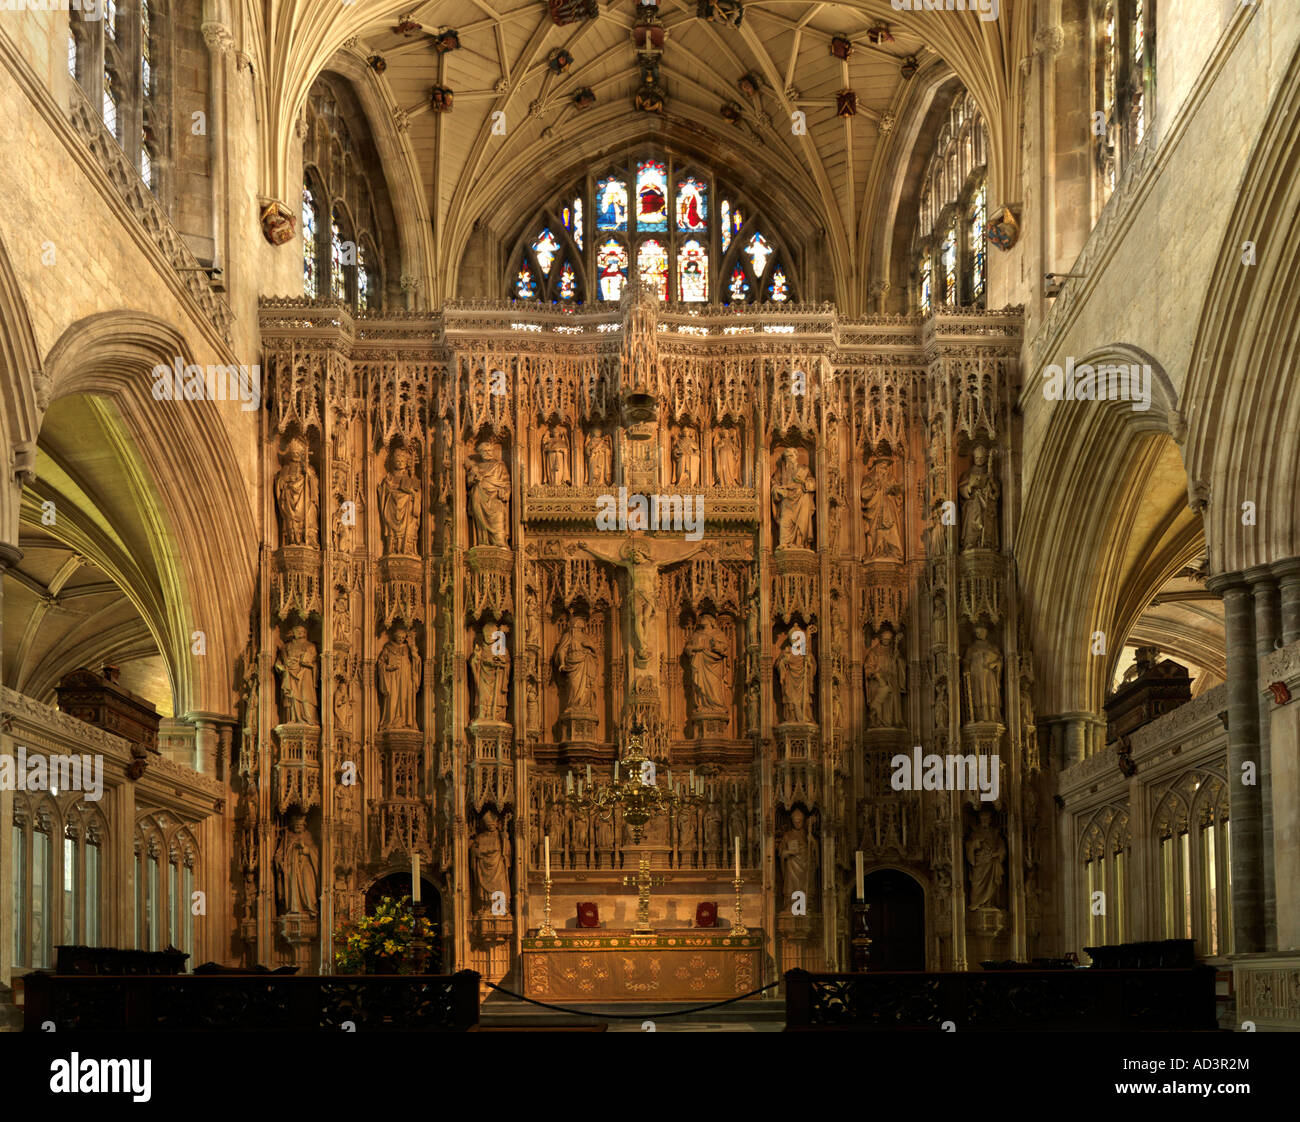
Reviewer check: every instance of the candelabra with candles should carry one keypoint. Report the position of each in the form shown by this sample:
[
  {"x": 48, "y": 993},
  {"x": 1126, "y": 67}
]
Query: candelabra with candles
[{"x": 638, "y": 795}]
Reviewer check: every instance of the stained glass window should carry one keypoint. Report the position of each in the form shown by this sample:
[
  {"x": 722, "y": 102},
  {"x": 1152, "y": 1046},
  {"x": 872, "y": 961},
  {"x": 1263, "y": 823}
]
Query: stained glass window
[
  {"x": 949, "y": 254},
  {"x": 693, "y": 273},
  {"x": 110, "y": 18},
  {"x": 310, "y": 262},
  {"x": 572, "y": 217},
  {"x": 739, "y": 286},
  {"x": 925, "y": 284},
  {"x": 72, "y": 56},
  {"x": 652, "y": 214},
  {"x": 652, "y": 196},
  {"x": 652, "y": 265},
  {"x": 338, "y": 279},
  {"x": 611, "y": 266},
  {"x": 146, "y": 164},
  {"x": 978, "y": 241},
  {"x": 363, "y": 280},
  {"x": 692, "y": 206},
  {"x": 1139, "y": 77},
  {"x": 110, "y": 104},
  {"x": 546, "y": 249},
  {"x": 525, "y": 285},
  {"x": 779, "y": 290},
  {"x": 145, "y": 69},
  {"x": 611, "y": 204},
  {"x": 758, "y": 252},
  {"x": 568, "y": 283}
]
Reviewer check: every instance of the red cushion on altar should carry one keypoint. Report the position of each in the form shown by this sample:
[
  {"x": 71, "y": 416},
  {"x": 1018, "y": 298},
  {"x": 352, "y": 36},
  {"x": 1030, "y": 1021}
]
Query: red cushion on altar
[
  {"x": 588, "y": 916},
  {"x": 706, "y": 914}
]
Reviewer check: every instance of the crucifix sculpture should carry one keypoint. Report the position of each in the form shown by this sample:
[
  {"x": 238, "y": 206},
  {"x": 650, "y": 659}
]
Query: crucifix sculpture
[{"x": 644, "y": 881}]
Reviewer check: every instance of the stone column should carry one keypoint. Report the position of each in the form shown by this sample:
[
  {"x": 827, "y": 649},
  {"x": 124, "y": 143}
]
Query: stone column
[
  {"x": 1267, "y": 632},
  {"x": 1288, "y": 579},
  {"x": 10, "y": 1018},
  {"x": 1243, "y": 748}
]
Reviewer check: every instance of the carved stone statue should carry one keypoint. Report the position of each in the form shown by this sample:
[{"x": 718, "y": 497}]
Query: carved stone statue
[
  {"x": 705, "y": 655},
  {"x": 882, "y": 509},
  {"x": 297, "y": 665},
  {"x": 533, "y": 714},
  {"x": 979, "y": 491},
  {"x": 688, "y": 835},
  {"x": 793, "y": 488},
  {"x": 343, "y": 705},
  {"x": 342, "y": 615},
  {"x": 397, "y": 672},
  {"x": 600, "y": 459},
  {"x": 555, "y": 456},
  {"x": 297, "y": 870},
  {"x": 986, "y": 854},
  {"x": 984, "y": 678},
  {"x": 490, "y": 862},
  {"x": 799, "y": 860},
  {"x": 556, "y": 829},
  {"x": 686, "y": 460},
  {"x": 297, "y": 497},
  {"x": 726, "y": 457},
  {"x": 795, "y": 674},
  {"x": 489, "y": 664},
  {"x": 577, "y": 661},
  {"x": 488, "y": 481},
  {"x": 886, "y": 681},
  {"x": 713, "y": 834},
  {"x": 736, "y": 826},
  {"x": 399, "y": 507}
]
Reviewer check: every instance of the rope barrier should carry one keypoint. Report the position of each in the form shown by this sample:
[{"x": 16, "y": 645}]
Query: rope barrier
[{"x": 633, "y": 1016}]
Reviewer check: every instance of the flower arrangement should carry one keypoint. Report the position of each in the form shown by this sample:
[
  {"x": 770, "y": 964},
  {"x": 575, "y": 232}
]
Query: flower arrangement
[{"x": 392, "y": 941}]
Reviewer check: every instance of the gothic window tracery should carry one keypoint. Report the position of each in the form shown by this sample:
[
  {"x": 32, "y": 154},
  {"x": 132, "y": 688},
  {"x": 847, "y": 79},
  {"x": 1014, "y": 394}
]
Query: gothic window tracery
[
  {"x": 950, "y": 247},
  {"x": 120, "y": 63},
  {"x": 1124, "y": 84},
  {"x": 691, "y": 240},
  {"x": 348, "y": 228}
]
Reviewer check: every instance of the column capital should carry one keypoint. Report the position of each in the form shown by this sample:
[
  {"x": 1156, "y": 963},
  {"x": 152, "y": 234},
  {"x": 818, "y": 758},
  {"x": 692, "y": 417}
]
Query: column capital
[
  {"x": 1287, "y": 569},
  {"x": 1221, "y": 583},
  {"x": 1259, "y": 574}
]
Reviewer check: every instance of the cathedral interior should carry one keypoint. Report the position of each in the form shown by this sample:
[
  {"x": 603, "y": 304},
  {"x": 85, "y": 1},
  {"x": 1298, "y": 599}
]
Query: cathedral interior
[{"x": 685, "y": 490}]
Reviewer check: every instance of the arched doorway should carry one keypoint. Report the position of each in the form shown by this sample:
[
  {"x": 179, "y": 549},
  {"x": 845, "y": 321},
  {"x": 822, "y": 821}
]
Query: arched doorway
[
  {"x": 398, "y": 885},
  {"x": 895, "y": 921}
]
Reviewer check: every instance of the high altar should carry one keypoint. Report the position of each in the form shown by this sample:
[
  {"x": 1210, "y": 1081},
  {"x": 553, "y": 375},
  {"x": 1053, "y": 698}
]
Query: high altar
[{"x": 459, "y": 611}]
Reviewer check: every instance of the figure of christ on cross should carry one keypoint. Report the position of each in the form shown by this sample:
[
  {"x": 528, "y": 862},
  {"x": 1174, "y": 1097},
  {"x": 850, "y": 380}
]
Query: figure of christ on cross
[
  {"x": 644, "y": 881},
  {"x": 641, "y": 558}
]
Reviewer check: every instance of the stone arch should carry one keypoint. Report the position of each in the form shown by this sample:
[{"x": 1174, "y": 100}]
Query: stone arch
[
  {"x": 22, "y": 388},
  {"x": 1076, "y": 529},
  {"x": 201, "y": 569},
  {"x": 1241, "y": 420}
]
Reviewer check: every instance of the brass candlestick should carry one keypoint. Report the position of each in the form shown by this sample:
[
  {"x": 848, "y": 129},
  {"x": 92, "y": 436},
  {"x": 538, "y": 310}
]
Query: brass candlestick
[
  {"x": 738, "y": 928},
  {"x": 546, "y": 931}
]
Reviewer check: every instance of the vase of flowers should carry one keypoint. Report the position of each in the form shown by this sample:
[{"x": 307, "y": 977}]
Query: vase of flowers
[{"x": 395, "y": 940}]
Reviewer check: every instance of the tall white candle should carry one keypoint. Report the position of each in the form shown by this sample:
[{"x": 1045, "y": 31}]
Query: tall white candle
[
  {"x": 859, "y": 861},
  {"x": 589, "y": 775},
  {"x": 738, "y": 858},
  {"x": 546, "y": 848},
  {"x": 415, "y": 878},
  {"x": 615, "y": 771},
  {"x": 568, "y": 784}
]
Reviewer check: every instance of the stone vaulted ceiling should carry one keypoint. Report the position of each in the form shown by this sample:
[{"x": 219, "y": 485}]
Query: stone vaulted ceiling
[{"x": 831, "y": 178}]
